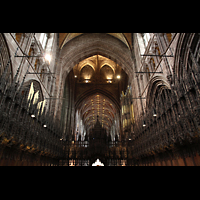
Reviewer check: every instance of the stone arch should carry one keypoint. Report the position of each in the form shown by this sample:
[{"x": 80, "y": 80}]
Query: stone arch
[
  {"x": 182, "y": 53},
  {"x": 87, "y": 45},
  {"x": 86, "y": 72},
  {"x": 107, "y": 63},
  {"x": 154, "y": 83},
  {"x": 107, "y": 69},
  {"x": 85, "y": 64},
  {"x": 36, "y": 86},
  {"x": 70, "y": 36}
]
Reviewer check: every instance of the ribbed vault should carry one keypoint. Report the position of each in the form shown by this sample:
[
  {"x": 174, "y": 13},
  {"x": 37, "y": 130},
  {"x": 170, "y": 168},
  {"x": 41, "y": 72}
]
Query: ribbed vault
[
  {"x": 66, "y": 37},
  {"x": 102, "y": 65},
  {"x": 98, "y": 105},
  {"x": 90, "y": 44}
]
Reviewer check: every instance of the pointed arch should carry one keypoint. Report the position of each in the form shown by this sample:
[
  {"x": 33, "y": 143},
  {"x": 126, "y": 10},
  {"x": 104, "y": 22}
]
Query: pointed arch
[
  {"x": 36, "y": 86},
  {"x": 66, "y": 37},
  {"x": 154, "y": 83}
]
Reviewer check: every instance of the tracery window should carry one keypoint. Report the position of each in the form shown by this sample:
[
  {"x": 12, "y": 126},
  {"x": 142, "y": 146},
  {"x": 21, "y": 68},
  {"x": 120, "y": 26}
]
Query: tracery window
[
  {"x": 143, "y": 40},
  {"x": 43, "y": 39},
  {"x": 146, "y": 38}
]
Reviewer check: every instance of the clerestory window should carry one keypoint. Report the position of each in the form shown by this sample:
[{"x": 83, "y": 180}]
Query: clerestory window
[
  {"x": 43, "y": 39},
  {"x": 146, "y": 37}
]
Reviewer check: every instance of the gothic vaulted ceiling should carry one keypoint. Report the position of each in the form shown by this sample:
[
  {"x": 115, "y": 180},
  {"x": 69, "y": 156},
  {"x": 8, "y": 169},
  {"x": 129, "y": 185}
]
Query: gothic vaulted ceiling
[
  {"x": 124, "y": 37},
  {"x": 100, "y": 64},
  {"x": 98, "y": 104},
  {"x": 98, "y": 74}
]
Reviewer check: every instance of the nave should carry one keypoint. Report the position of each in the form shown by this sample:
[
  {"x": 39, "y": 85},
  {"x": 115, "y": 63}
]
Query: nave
[{"x": 114, "y": 99}]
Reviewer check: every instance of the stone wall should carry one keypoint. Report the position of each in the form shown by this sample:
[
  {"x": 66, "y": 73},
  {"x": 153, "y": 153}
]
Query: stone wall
[{"x": 27, "y": 41}]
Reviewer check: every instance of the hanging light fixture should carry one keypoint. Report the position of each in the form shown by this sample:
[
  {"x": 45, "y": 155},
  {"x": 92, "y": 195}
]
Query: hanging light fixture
[
  {"x": 154, "y": 112},
  {"x": 144, "y": 123}
]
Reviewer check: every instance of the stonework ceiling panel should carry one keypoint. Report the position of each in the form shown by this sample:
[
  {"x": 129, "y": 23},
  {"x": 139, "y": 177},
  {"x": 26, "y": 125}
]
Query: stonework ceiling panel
[{"x": 66, "y": 37}]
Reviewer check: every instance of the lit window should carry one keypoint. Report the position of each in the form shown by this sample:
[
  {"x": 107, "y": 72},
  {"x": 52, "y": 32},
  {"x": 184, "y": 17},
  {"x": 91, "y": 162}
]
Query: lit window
[
  {"x": 43, "y": 39},
  {"x": 146, "y": 37},
  {"x": 143, "y": 40}
]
